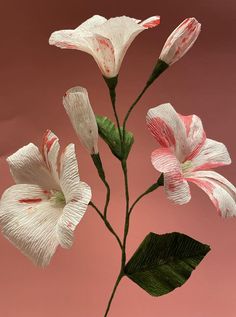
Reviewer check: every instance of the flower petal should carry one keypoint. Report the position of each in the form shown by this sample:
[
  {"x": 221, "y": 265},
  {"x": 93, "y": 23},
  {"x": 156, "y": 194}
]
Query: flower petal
[
  {"x": 27, "y": 167},
  {"x": 176, "y": 187},
  {"x": 51, "y": 149},
  {"x": 69, "y": 176},
  {"x": 121, "y": 31},
  {"x": 168, "y": 129},
  {"x": 212, "y": 154},
  {"x": 77, "y": 195},
  {"x": 72, "y": 214},
  {"x": 103, "y": 53},
  {"x": 92, "y": 23},
  {"x": 195, "y": 135},
  {"x": 151, "y": 22},
  {"x": 221, "y": 192},
  {"x": 29, "y": 220}
]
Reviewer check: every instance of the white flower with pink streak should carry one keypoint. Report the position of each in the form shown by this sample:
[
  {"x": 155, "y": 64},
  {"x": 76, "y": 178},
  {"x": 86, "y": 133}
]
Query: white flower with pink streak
[
  {"x": 42, "y": 210},
  {"x": 106, "y": 40},
  {"x": 186, "y": 155}
]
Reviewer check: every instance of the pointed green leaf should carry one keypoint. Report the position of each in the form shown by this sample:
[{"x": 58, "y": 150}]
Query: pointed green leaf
[
  {"x": 164, "y": 262},
  {"x": 110, "y": 134}
]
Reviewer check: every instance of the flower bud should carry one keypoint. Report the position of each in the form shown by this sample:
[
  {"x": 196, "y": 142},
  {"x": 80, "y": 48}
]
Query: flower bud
[
  {"x": 80, "y": 112},
  {"x": 180, "y": 41}
]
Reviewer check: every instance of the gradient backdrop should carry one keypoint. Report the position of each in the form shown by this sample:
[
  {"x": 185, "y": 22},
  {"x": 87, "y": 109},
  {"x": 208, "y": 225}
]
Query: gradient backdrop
[{"x": 34, "y": 76}]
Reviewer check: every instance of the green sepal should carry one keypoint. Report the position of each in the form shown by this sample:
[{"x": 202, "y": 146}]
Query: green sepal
[
  {"x": 111, "y": 82},
  {"x": 110, "y": 134},
  {"x": 165, "y": 262},
  {"x": 159, "y": 68}
]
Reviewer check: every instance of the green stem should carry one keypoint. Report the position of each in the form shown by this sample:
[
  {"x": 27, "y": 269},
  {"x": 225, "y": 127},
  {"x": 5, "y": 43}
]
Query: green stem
[
  {"x": 126, "y": 227},
  {"x": 113, "y": 293},
  {"x": 132, "y": 107},
  {"x": 159, "y": 68},
  {"x": 107, "y": 223},
  {"x": 160, "y": 182},
  {"x": 98, "y": 163}
]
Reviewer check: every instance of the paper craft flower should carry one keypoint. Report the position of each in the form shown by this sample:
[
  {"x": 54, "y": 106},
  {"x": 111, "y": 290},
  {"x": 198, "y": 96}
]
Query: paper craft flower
[
  {"x": 106, "y": 40},
  {"x": 42, "y": 210},
  {"x": 187, "y": 155},
  {"x": 82, "y": 117},
  {"x": 180, "y": 41}
]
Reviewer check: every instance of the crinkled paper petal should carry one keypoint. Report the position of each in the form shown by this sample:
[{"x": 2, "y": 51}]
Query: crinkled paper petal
[
  {"x": 195, "y": 135},
  {"x": 221, "y": 192},
  {"x": 72, "y": 215},
  {"x": 211, "y": 155},
  {"x": 29, "y": 221},
  {"x": 176, "y": 187},
  {"x": 28, "y": 167}
]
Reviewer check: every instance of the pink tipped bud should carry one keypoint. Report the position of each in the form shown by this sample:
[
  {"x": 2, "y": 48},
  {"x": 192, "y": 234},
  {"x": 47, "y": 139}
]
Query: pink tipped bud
[
  {"x": 180, "y": 41},
  {"x": 80, "y": 112}
]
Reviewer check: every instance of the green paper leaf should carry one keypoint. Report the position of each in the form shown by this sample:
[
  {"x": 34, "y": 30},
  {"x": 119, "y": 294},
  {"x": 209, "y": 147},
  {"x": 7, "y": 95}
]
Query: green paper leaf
[
  {"x": 164, "y": 262},
  {"x": 110, "y": 134}
]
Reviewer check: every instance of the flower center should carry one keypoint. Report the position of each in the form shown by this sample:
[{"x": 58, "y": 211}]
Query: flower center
[
  {"x": 57, "y": 198},
  {"x": 186, "y": 166}
]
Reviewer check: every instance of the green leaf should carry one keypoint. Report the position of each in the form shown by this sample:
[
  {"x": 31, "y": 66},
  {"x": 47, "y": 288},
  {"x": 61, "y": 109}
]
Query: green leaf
[
  {"x": 164, "y": 262},
  {"x": 110, "y": 134}
]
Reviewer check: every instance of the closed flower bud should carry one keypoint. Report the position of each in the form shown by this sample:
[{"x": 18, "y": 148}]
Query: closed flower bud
[
  {"x": 180, "y": 41},
  {"x": 80, "y": 112}
]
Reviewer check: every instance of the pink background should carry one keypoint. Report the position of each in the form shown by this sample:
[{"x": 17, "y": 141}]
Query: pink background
[{"x": 34, "y": 76}]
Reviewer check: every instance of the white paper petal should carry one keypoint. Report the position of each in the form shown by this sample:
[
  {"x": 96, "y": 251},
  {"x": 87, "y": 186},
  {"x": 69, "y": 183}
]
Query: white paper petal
[
  {"x": 28, "y": 167},
  {"x": 29, "y": 221},
  {"x": 168, "y": 129},
  {"x": 69, "y": 176},
  {"x": 195, "y": 135},
  {"x": 92, "y": 23},
  {"x": 221, "y": 192},
  {"x": 176, "y": 187},
  {"x": 212, "y": 154},
  {"x": 151, "y": 22},
  {"x": 103, "y": 53},
  {"x": 51, "y": 150},
  {"x": 72, "y": 215}
]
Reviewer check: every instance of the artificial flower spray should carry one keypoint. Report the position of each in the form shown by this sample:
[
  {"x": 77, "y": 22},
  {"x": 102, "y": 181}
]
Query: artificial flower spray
[{"x": 42, "y": 210}]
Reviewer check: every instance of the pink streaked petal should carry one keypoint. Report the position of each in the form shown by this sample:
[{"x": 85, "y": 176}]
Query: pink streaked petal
[
  {"x": 121, "y": 31},
  {"x": 103, "y": 53},
  {"x": 168, "y": 129},
  {"x": 176, "y": 187},
  {"x": 72, "y": 215},
  {"x": 164, "y": 160},
  {"x": 221, "y": 192},
  {"x": 211, "y": 155},
  {"x": 29, "y": 224},
  {"x": 51, "y": 150},
  {"x": 28, "y": 167},
  {"x": 195, "y": 135},
  {"x": 151, "y": 22}
]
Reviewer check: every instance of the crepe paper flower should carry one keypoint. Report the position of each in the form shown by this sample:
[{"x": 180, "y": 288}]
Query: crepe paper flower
[
  {"x": 106, "y": 40},
  {"x": 186, "y": 155},
  {"x": 42, "y": 210},
  {"x": 180, "y": 41},
  {"x": 80, "y": 112}
]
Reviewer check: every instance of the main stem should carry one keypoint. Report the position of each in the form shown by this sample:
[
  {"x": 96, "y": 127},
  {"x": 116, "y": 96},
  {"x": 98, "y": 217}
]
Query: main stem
[{"x": 126, "y": 230}]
